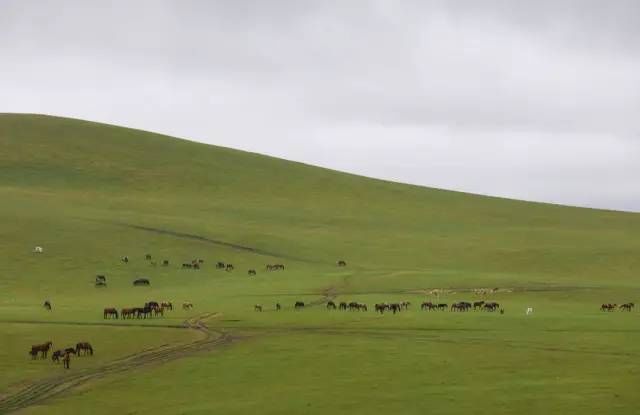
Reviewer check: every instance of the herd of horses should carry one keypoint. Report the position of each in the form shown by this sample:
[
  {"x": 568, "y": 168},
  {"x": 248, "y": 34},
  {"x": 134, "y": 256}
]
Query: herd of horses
[
  {"x": 621, "y": 307},
  {"x": 81, "y": 348},
  {"x": 149, "y": 310},
  {"x": 397, "y": 307}
]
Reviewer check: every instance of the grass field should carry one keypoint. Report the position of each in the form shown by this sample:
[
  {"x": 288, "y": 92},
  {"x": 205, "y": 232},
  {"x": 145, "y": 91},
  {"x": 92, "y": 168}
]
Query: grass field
[{"x": 91, "y": 193}]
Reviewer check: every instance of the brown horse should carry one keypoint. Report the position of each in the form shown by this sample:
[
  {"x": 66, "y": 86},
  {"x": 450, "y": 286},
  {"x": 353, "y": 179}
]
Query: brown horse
[
  {"x": 110, "y": 313},
  {"x": 40, "y": 348},
  {"x": 257, "y": 307},
  {"x": 84, "y": 347},
  {"x": 627, "y": 307},
  {"x": 47, "y": 305},
  {"x": 342, "y": 263},
  {"x": 251, "y": 272}
]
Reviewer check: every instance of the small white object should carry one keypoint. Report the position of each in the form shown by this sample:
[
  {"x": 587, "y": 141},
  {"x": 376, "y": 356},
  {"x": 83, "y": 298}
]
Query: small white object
[
  {"x": 38, "y": 250},
  {"x": 529, "y": 310}
]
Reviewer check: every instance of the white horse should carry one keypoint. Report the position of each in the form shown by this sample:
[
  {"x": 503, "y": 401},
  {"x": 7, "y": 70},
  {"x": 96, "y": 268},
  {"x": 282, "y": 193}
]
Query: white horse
[
  {"x": 38, "y": 250},
  {"x": 529, "y": 310}
]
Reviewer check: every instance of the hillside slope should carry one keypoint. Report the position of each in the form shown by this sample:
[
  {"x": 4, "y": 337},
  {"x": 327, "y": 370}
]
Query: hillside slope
[{"x": 74, "y": 174}]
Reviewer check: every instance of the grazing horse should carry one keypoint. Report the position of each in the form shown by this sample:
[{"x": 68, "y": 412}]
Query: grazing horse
[
  {"x": 167, "y": 305},
  {"x": 158, "y": 311},
  {"x": 125, "y": 259},
  {"x": 298, "y": 305},
  {"x": 342, "y": 263},
  {"x": 110, "y": 313},
  {"x": 381, "y": 307},
  {"x": 627, "y": 307},
  {"x": 40, "y": 348},
  {"x": 220, "y": 265},
  {"x": 251, "y": 272},
  {"x": 38, "y": 250},
  {"x": 275, "y": 267},
  {"x": 84, "y": 347},
  {"x": 147, "y": 257},
  {"x": 257, "y": 307},
  {"x": 608, "y": 307},
  {"x": 491, "y": 307},
  {"x": 278, "y": 306},
  {"x": 187, "y": 265},
  {"x": 229, "y": 267},
  {"x": 427, "y": 305},
  {"x": 187, "y": 306},
  {"x": 442, "y": 306},
  {"x": 165, "y": 262},
  {"x": 55, "y": 356},
  {"x": 477, "y": 305},
  {"x": 141, "y": 282},
  {"x": 47, "y": 305},
  {"x": 331, "y": 305},
  {"x": 395, "y": 307},
  {"x": 127, "y": 313},
  {"x": 343, "y": 306}
]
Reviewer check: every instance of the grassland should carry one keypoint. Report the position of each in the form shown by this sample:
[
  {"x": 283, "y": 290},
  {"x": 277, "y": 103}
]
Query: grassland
[{"x": 91, "y": 193}]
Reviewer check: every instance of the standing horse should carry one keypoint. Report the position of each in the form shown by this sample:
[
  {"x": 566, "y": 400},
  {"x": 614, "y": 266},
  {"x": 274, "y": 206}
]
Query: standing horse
[
  {"x": 84, "y": 347},
  {"x": 331, "y": 305},
  {"x": 110, "y": 313},
  {"x": 40, "y": 348},
  {"x": 257, "y": 307},
  {"x": 298, "y": 305},
  {"x": 47, "y": 305}
]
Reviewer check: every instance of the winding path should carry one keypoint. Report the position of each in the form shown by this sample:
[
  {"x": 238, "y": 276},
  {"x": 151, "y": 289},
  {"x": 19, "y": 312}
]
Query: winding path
[{"x": 53, "y": 386}]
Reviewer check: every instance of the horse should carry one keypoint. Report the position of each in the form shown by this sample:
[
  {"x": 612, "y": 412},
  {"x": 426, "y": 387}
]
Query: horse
[
  {"x": 381, "y": 307},
  {"x": 55, "y": 356},
  {"x": 147, "y": 257},
  {"x": 427, "y": 305},
  {"x": 47, "y": 305},
  {"x": 187, "y": 265},
  {"x": 141, "y": 282},
  {"x": 257, "y": 307},
  {"x": 342, "y": 263},
  {"x": 127, "y": 313},
  {"x": 395, "y": 307},
  {"x": 167, "y": 305},
  {"x": 165, "y": 262},
  {"x": 84, "y": 347},
  {"x": 442, "y": 306},
  {"x": 110, "y": 313},
  {"x": 251, "y": 272},
  {"x": 529, "y": 311},
  {"x": 627, "y": 307},
  {"x": 187, "y": 306},
  {"x": 298, "y": 305},
  {"x": 40, "y": 348},
  {"x": 220, "y": 265},
  {"x": 125, "y": 259},
  {"x": 491, "y": 307},
  {"x": 331, "y": 305},
  {"x": 229, "y": 267},
  {"x": 278, "y": 306},
  {"x": 343, "y": 306},
  {"x": 477, "y": 305}
]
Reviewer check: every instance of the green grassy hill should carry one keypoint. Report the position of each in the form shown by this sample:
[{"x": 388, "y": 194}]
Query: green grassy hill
[{"x": 90, "y": 193}]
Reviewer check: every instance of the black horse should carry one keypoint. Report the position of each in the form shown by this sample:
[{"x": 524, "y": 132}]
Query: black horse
[
  {"x": 141, "y": 282},
  {"x": 298, "y": 305}
]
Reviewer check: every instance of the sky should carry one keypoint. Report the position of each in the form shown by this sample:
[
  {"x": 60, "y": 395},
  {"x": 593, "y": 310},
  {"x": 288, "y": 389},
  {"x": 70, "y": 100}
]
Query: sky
[{"x": 535, "y": 100}]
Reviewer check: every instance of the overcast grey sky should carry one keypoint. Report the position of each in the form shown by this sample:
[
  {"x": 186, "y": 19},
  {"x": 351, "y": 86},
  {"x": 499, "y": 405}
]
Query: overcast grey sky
[{"x": 536, "y": 100}]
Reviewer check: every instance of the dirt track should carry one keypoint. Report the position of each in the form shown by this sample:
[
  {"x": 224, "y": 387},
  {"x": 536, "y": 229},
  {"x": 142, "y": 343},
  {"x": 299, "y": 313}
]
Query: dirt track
[{"x": 55, "y": 385}]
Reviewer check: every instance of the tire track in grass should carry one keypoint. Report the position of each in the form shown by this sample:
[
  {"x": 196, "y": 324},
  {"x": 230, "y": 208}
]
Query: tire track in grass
[{"x": 51, "y": 387}]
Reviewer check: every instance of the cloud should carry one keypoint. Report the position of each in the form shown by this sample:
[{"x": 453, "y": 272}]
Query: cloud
[{"x": 535, "y": 99}]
